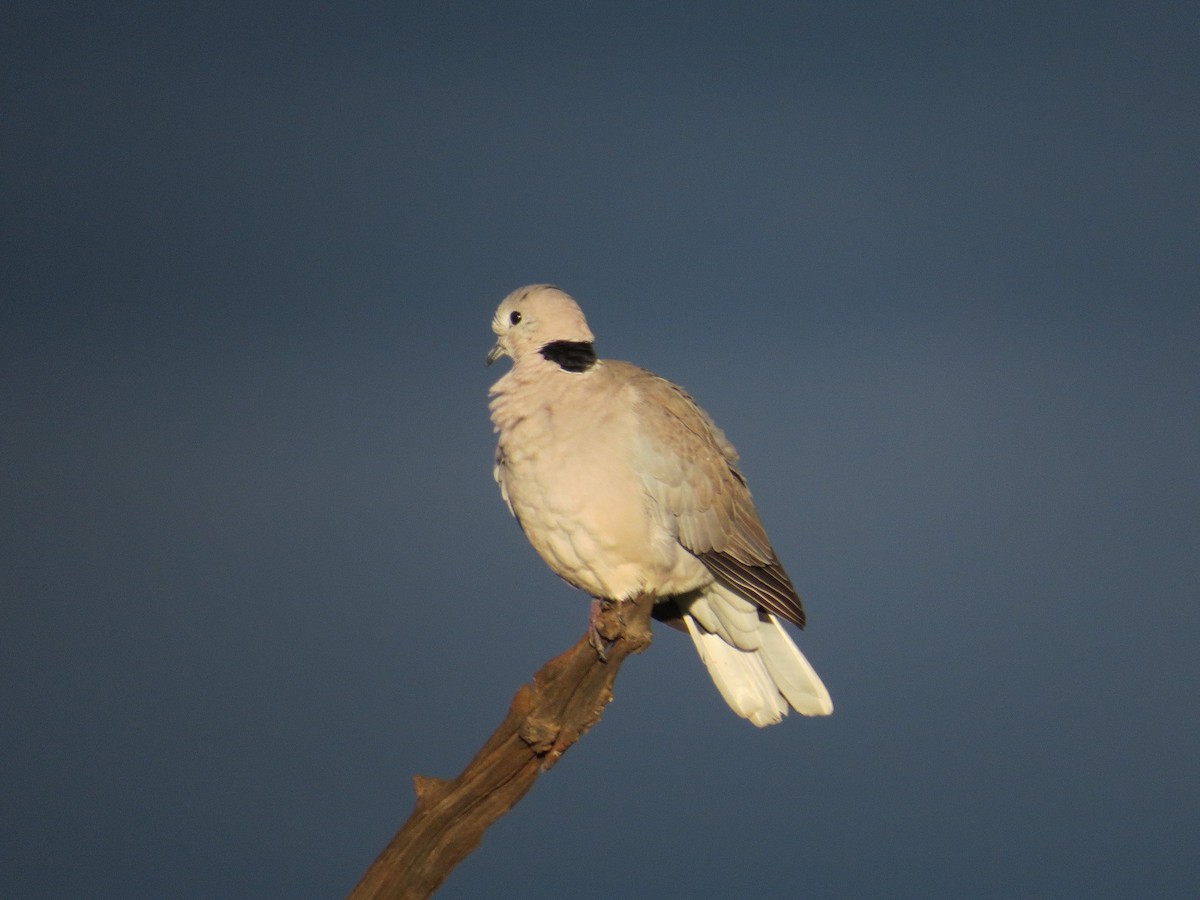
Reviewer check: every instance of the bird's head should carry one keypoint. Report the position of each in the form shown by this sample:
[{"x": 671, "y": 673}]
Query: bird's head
[{"x": 534, "y": 317}]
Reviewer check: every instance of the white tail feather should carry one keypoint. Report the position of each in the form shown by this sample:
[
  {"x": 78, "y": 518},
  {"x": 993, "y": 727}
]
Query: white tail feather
[
  {"x": 792, "y": 673},
  {"x": 766, "y": 674},
  {"x": 740, "y": 676}
]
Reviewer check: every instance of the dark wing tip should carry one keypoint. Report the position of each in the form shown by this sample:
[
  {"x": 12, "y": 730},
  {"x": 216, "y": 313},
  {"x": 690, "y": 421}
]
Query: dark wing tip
[{"x": 766, "y": 586}]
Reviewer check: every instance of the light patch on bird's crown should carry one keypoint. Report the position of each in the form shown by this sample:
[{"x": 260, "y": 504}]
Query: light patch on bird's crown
[{"x": 536, "y": 315}]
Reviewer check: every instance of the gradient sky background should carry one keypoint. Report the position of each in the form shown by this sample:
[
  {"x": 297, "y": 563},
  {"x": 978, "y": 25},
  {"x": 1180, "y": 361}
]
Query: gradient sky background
[{"x": 935, "y": 268}]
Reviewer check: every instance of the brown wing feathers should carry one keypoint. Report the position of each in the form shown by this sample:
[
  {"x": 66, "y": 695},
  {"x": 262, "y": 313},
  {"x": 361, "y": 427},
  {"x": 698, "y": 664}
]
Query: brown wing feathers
[{"x": 767, "y": 586}]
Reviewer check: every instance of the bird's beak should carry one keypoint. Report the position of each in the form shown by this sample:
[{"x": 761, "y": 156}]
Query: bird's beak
[{"x": 494, "y": 354}]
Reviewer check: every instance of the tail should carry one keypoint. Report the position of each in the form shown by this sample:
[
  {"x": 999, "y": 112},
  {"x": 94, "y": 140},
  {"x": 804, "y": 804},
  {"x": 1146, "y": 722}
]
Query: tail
[{"x": 751, "y": 659}]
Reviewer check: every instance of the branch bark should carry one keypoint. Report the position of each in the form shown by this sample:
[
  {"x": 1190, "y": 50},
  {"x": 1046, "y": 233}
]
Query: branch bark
[{"x": 545, "y": 718}]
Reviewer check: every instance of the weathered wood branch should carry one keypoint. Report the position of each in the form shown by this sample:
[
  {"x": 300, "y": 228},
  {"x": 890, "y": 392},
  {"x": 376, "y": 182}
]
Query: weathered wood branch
[{"x": 566, "y": 698}]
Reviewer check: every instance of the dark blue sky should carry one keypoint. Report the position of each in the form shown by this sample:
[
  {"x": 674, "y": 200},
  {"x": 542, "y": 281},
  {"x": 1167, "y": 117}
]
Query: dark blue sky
[{"x": 934, "y": 267}]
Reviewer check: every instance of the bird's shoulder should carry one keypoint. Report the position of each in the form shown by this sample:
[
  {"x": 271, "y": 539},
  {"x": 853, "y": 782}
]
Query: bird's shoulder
[{"x": 670, "y": 422}]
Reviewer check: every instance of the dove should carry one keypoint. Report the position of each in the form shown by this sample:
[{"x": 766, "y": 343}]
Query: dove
[{"x": 625, "y": 486}]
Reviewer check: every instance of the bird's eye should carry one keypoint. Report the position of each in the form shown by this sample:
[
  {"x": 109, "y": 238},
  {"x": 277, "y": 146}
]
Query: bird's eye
[{"x": 514, "y": 317}]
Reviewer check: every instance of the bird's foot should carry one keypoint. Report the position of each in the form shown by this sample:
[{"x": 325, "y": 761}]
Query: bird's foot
[{"x": 605, "y": 624}]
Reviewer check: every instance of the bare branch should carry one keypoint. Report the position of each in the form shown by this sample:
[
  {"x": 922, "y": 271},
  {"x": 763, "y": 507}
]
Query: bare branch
[{"x": 566, "y": 698}]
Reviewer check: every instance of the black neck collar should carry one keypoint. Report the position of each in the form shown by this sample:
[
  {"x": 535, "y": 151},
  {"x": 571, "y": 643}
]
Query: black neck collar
[{"x": 571, "y": 356}]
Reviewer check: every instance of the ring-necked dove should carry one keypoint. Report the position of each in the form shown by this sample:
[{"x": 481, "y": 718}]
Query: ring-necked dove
[{"x": 625, "y": 486}]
